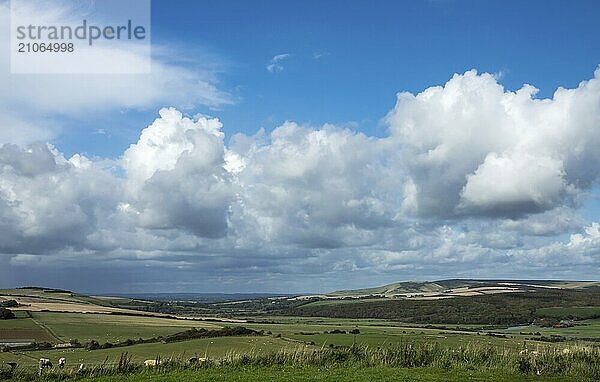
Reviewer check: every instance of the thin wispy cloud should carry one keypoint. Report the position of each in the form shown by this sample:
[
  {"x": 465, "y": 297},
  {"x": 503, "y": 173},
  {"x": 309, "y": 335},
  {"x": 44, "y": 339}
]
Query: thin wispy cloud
[
  {"x": 24, "y": 96},
  {"x": 276, "y": 63},
  {"x": 320, "y": 54}
]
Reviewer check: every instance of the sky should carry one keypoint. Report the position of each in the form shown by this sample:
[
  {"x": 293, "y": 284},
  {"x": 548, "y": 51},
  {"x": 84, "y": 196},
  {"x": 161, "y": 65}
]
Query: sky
[{"x": 303, "y": 147}]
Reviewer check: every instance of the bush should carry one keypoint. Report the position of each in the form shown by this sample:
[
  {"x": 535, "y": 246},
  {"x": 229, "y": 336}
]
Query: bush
[
  {"x": 43, "y": 346},
  {"x": 92, "y": 345},
  {"x": 6, "y": 314},
  {"x": 75, "y": 343},
  {"x": 9, "y": 303},
  {"x": 524, "y": 365},
  {"x": 203, "y": 333}
]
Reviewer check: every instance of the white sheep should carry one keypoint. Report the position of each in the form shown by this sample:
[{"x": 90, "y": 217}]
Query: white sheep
[
  {"x": 43, "y": 364},
  {"x": 152, "y": 362}
]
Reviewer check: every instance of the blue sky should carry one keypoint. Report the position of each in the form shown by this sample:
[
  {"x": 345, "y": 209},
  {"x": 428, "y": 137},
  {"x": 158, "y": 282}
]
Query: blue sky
[
  {"x": 367, "y": 53},
  {"x": 282, "y": 146}
]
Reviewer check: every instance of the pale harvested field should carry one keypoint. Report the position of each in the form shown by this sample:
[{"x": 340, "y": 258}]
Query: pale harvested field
[
  {"x": 43, "y": 303},
  {"x": 71, "y": 307}
]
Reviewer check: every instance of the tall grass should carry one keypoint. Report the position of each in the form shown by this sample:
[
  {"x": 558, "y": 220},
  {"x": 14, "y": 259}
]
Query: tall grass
[{"x": 577, "y": 362}]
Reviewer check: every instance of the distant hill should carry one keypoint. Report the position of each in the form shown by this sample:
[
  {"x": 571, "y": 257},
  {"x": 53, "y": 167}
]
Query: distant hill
[
  {"x": 457, "y": 301},
  {"x": 461, "y": 287},
  {"x": 197, "y": 297}
]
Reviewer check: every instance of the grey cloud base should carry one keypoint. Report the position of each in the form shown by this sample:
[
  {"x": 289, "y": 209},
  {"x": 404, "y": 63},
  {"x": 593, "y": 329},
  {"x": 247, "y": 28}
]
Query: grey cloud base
[{"x": 472, "y": 181}]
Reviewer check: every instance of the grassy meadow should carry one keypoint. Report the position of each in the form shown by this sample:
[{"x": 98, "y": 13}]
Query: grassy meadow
[
  {"x": 314, "y": 373},
  {"x": 296, "y": 348},
  {"x": 300, "y": 363}
]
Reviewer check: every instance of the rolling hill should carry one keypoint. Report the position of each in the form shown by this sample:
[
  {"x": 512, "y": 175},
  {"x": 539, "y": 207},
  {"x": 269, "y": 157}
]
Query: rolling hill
[{"x": 459, "y": 287}]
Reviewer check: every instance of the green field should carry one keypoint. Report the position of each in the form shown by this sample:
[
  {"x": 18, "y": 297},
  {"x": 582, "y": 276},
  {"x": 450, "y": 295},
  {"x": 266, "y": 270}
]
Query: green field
[
  {"x": 214, "y": 348},
  {"x": 255, "y": 359},
  {"x": 582, "y": 329},
  {"x": 22, "y": 320},
  {"x": 23, "y": 327},
  {"x": 471, "y": 351},
  {"x": 334, "y": 373},
  {"x": 289, "y": 334},
  {"x": 53, "y": 326},
  {"x": 112, "y": 328}
]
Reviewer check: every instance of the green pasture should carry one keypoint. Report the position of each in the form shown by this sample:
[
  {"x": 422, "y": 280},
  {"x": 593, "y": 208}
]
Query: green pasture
[
  {"x": 21, "y": 321},
  {"x": 331, "y": 373},
  {"x": 285, "y": 333},
  {"x": 582, "y": 329},
  {"x": 112, "y": 328},
  {"x": 215, "y": 348}
]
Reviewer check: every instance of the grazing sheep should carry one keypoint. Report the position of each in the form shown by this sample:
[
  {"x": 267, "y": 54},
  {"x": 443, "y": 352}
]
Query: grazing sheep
[
  {"x": 527, "y": 352},
  {"x": 43, "y": 364},
  {"x": 152, "y": 362},
  {"x": 81, "y": 367},
  {"x": 62, "y": 362},
  {"x": 198, "y": 359}
]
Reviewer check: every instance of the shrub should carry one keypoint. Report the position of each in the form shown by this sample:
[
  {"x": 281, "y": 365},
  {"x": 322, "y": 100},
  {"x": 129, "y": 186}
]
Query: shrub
[
  {"x": 9, "y": 303},
  {"x": 524, "y": 365},
  {"x": 75, "y": 343},
  {"x": 6, "y": 314},
  {"x": 92, "y": 345},
  {"x": 203, "y": 333}
]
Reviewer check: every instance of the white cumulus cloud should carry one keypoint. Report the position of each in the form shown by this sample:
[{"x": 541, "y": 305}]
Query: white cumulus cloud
[{"x": 472, "y": 180}]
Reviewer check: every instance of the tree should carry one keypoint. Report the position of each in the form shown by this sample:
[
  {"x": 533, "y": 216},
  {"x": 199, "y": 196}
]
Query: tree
[
  {"x": 8, "y": 303},
  {"x": 6, "y": 314},
  {"x": 92, "y": 345}
]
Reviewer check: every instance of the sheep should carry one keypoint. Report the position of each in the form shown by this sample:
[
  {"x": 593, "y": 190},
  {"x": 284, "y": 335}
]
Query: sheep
[
  {"x": 197, "y": 359},
  {"x": 43, "y": 364},
  {"x": 152, "y": 362},
  {"x": 527, "y": 351},
  {"x": 62, "y": 362}
]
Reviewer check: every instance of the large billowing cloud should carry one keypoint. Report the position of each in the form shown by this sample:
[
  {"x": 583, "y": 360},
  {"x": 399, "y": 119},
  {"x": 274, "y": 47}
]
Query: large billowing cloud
[
  {"x": 315, "y": 188},
  {"x": 472, "y": 180},
  {"x": 471, "y": 147},
  {"x": 48, "y": 202},
  {"x": 177, "y": 177}
]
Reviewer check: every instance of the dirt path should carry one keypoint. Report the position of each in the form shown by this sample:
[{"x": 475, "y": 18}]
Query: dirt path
[{"x": 46, "y": 328}]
